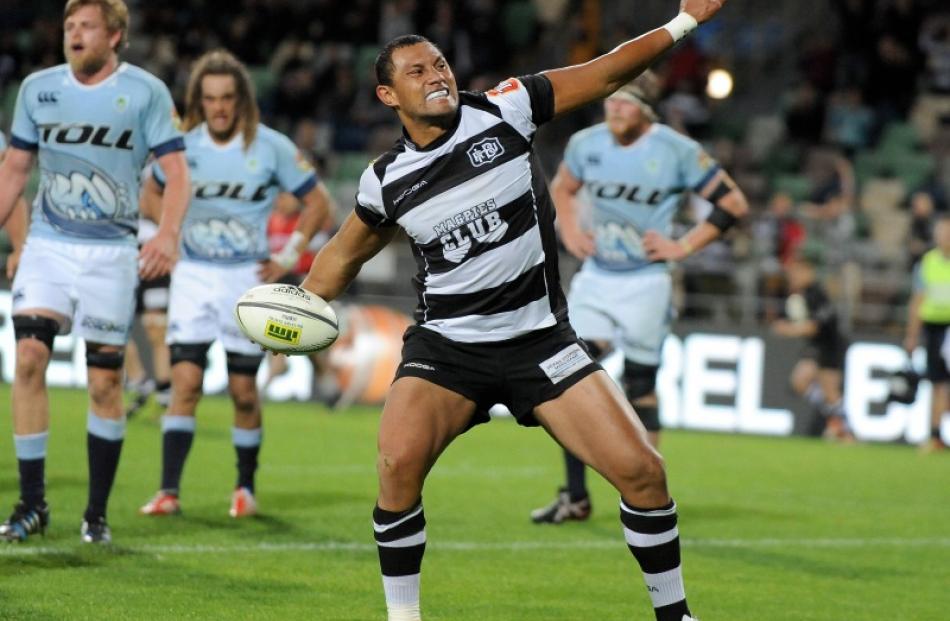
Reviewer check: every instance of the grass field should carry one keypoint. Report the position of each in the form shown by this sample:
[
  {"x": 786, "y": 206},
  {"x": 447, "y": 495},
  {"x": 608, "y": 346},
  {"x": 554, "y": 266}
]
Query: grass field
[{"x": 773, "y": 529}]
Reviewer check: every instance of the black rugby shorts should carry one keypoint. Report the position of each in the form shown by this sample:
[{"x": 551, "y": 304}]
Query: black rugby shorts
[{"x": 520, "y": 373}]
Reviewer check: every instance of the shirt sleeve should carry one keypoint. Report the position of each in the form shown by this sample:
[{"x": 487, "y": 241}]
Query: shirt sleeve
[
  {"x": 573, "y": 158},
  {"x": 162, "y": 131},
  {"x": 294, "y": 173},
  {"x": 369, "y": 201},
  {"x": 526, "y": 103},
  {"x": 23, "y": 131},
  {"x": 698, "y": 167},
  {"x": 3, "y": 142}
]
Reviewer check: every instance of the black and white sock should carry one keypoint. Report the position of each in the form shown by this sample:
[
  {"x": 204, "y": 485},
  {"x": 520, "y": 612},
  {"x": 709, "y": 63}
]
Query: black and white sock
[
  {"x": 401, "y": 542},
  {"x": 247, "y": 444},
  {"x": 31, "y": 461},
  {"x": 178, "y": 432},
  {"x": 653, "y": 538},
  {"x": 104, "y": 444}
]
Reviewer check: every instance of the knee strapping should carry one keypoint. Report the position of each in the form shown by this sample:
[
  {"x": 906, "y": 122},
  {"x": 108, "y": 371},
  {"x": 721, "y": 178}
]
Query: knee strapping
[
  {"x": 195, "y": 353},
  {"x": 242, "y": 364},
  {"x": 639, "y": 380},
  {"x": 105, "y": 359},
  {"x": 36, "y": 327}
]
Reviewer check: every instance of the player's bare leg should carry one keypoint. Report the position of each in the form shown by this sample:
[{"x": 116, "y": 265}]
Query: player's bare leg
[
  {"x": 178, "y": 430},
  {"x": 938, "y": 405},
  {"x": 155, "y": 322},
  {"x": 247, "y": 436},
  {"x": 105, "y": 434},
  {"x": 419, "y": 420},
  {"x": 35, "y": 330},
  {"x": 594, "y": 421}
]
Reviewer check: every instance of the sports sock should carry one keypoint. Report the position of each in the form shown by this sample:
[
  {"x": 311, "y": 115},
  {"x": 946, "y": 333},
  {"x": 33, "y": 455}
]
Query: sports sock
[
  {"x": 653, "y": 538},
  {"x": 576, "y": 477},
  {"x": 31, "y": 460},
  {"x": 401, "y": 542},
  {"x": 247, "y": 444},
  {"x": 103, "y": 444},
  {"x": 815, "y": 396},
  {"x": 178, "y": 432}
]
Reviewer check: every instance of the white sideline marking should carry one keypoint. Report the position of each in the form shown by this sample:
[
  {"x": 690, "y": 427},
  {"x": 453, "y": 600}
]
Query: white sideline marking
[{"x": 15, "y": 550}]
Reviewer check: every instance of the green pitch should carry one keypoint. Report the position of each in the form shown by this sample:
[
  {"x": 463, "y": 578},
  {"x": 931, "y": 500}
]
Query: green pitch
[{"x": 772, "y": 529}]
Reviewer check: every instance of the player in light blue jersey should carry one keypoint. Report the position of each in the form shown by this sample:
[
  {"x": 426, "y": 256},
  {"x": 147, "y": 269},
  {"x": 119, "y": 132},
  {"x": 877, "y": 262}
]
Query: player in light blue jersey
[
  {"x": 636, "y": 173},
  {"x": 237, "y": 168},
  {"x": 92, "y": 123}
]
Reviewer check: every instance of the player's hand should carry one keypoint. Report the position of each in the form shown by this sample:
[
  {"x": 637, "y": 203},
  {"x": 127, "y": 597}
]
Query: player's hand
[
  {"x": 578, "y": 242},
  {"x": 13, "y": 262},
  {"x": 783, "y": 327},
  {"x": 702, "y": 10},
  {"x": 271, "y": 271},
  {"x": 158, "y": 256},
  {"x": 661, "y": 248}
]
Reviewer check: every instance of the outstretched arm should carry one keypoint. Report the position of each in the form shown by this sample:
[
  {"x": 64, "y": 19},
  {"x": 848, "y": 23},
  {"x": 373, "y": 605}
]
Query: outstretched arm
[
  {"x": 579, "y": 85},
  {"x": 338, "y": 263}
]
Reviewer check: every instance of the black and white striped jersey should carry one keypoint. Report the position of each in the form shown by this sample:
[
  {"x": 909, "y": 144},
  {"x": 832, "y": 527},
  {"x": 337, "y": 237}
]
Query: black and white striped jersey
[{"x": 478, "y": 216}]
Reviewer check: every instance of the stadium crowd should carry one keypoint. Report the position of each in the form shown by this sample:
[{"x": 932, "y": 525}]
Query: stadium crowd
[{"x": 848, "y": 169}]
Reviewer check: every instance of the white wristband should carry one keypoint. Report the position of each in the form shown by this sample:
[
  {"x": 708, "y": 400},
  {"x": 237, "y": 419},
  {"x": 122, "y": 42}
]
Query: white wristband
[
  {"x": 681, "y": 25},
  {"x": 288, "y": 256}
]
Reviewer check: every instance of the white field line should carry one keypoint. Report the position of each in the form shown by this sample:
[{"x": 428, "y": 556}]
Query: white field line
[{"x": 15, "y": 550}]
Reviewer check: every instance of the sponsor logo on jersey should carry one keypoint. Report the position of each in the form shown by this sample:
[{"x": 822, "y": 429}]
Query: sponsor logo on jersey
[
  {"x": 233, "y": 191},
  {"x": 409, "y": 192},
  {"x": 485, "y": 151},
  {"x": 508, "y": 85},
  {"x": 480, "y": 223},
  {"x": 47, "y": 97},
  {"x": 79, "y": 133},
  {"x": 86, "y": 201},
  {"x": 121, "y": 103},
  {"x": 282, "y": 332},
  {"x": 220, "y": 239},
  {"x": 630, "y": 193}
]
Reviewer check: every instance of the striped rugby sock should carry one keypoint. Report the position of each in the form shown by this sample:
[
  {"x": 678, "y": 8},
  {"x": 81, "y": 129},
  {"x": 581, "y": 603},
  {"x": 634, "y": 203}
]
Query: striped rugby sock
[
  {"x": 401, "y": 541},
  {"x": 653, "y": 539}
]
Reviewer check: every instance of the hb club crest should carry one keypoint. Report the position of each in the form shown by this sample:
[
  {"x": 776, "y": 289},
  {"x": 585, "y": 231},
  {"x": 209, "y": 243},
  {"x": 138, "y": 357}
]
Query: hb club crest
[{"x": 485, "y": 151}]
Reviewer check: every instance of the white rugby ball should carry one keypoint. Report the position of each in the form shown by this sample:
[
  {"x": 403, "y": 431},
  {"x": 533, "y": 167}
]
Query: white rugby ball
[{"x": 286, "y": 319}]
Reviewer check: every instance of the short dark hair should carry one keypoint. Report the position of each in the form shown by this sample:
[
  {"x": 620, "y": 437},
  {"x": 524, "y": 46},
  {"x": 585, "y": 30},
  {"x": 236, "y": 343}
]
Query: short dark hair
[{"x": 384, "y": 61}]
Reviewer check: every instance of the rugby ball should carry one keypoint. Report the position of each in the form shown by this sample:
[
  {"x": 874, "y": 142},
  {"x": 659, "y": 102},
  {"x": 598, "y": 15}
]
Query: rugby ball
[{"x": 286, "y": 319}]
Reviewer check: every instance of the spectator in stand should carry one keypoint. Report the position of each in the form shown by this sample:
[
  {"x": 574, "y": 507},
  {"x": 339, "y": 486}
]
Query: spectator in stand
[{"x": 849, "y": 121}]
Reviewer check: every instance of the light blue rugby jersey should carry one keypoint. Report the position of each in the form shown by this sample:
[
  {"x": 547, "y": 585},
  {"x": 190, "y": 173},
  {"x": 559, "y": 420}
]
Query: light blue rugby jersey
[
  {"x": 3, "y": 142},
  {"x": 634, "y": 188},
  {"x": 92, "y": 142},
  {"x": 233, "y": 192}
]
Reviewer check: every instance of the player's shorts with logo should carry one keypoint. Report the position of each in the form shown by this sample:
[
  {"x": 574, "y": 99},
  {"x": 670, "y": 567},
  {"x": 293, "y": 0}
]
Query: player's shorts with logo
[
  {"x": 631, "y": 309},
  {"x": 202, "y": 301},
  {"x": 92, "y": 285},
  {"x": 520, "y": 373}
]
